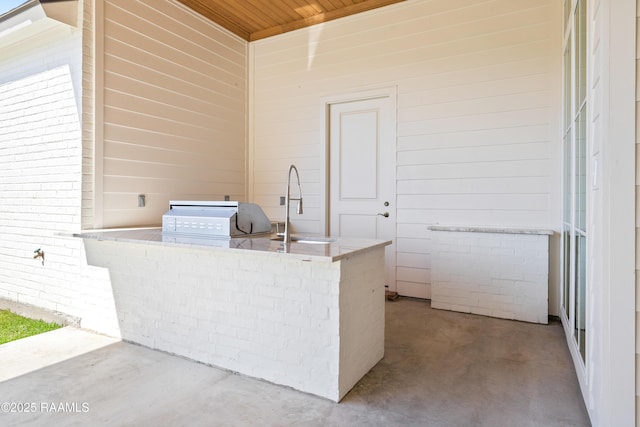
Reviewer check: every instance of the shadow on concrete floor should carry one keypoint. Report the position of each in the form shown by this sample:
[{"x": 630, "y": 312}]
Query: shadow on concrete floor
[{"x": 440, "y": 369}]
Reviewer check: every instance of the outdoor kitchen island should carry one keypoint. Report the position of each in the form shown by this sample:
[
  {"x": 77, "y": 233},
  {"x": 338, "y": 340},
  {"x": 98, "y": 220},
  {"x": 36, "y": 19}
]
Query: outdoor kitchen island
[{"x": 305, "y": 315}]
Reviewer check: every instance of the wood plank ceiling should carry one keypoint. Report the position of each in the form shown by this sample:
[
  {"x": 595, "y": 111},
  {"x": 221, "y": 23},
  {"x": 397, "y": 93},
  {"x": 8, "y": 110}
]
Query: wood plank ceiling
[{"x": 257, "y": 19}]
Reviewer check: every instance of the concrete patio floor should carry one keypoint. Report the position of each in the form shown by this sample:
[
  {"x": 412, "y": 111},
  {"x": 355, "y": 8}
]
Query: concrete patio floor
[{"x": 440, "y": 369}]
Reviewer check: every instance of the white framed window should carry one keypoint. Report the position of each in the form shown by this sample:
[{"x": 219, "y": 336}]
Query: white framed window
[{"x": 574, "y": 182}]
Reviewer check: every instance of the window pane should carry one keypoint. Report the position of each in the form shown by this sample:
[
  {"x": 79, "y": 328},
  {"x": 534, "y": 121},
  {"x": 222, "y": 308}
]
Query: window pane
[
  {"x": 580, "y": 295},
  {"x": 580, "y": 165},
  {"x": 568, "y": 117},
  {"x": 567, "y": 11},
  {"x": 580, "y": 29},
  {"x": 566, "y": 269},
  {"x": 566, "y": 179}
]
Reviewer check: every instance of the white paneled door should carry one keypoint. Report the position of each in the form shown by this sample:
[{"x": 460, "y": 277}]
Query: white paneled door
[{"x": 362, "y": 181}]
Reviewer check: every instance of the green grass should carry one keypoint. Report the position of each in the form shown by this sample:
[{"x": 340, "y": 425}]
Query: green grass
[{"x": 14, "y": 327}]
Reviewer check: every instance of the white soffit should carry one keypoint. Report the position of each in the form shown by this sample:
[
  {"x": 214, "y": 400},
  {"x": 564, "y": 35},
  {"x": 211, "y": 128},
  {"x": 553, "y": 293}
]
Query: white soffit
[{"x": 29, "y": 26}]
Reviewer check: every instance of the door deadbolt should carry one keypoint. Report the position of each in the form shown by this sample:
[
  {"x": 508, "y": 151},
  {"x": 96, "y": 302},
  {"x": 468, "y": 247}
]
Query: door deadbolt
[
  {"x": 386, "y": 203},
  {"x": 386, "y": 214}
]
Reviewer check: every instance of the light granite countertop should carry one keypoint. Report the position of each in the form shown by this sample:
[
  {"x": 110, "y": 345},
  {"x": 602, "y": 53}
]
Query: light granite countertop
[
  {"x": 308, "y": 248},
  {"x": 483, "y": 229}
]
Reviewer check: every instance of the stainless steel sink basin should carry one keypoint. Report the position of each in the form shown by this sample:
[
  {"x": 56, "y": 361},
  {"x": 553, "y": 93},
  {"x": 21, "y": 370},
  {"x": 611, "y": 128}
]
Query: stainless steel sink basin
[{"x": 310, "y": 240}]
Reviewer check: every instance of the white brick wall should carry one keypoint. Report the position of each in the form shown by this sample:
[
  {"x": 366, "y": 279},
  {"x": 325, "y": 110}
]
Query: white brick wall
[
  {"x": 314, "y": 326},
  {"x": 492, "y": 274},
  {"x": 40, "y": 185}
]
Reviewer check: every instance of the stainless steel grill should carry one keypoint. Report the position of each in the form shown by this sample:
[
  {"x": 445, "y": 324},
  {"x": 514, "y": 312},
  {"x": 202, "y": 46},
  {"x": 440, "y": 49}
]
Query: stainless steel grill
[{"x": 214, "y": 219}]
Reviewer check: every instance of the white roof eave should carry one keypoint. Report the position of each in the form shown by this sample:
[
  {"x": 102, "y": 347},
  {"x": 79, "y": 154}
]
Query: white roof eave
[{"x": 30, "y": 28}]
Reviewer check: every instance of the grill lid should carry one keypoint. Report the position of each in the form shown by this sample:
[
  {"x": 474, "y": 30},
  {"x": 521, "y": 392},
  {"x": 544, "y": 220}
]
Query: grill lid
[{"x": 214, "y": 219}]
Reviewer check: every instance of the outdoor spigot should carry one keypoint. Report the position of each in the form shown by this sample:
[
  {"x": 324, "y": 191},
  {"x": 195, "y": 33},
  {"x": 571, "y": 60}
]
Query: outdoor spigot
[{"x": 39, "y": 253}]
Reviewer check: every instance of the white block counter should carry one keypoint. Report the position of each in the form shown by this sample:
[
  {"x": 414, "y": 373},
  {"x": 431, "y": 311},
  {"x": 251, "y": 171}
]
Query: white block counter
[
  {"x": 498, "y": 272},
  {"x": 308, "y": 316}
]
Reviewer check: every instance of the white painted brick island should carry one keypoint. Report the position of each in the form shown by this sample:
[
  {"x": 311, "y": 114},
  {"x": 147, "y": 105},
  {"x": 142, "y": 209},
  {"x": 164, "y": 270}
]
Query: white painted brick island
[
  {"x": 308, "y": 316},
  {"x": 498, "y": 272}
]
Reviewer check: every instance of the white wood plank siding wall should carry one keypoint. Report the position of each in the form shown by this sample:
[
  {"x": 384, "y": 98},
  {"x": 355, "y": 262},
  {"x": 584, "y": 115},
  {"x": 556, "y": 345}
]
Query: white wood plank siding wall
[
  {"x": 174, "y": 110},
  {"x": 478, "y": 114}
]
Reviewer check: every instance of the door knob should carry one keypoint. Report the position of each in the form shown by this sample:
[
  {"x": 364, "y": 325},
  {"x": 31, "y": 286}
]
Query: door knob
[{"x": 386, "y": 214}]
